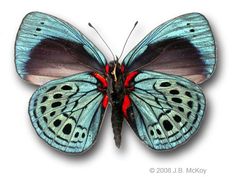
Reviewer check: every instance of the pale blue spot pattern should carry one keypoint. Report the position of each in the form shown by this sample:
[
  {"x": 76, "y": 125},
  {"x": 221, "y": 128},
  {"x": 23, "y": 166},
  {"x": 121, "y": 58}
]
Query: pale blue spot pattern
[
  {"x": 79, "y": 107},
  {"x": 153, "y": 104}
]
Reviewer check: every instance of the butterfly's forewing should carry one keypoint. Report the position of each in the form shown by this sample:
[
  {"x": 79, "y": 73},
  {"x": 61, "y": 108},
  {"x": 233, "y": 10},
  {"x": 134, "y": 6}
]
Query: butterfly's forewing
[
  {"x": 164, "y": 110},
  {"x": 182, "y": 46},
  {"x": 48, "y": 48},
  {"x": 67, "y": 113}
]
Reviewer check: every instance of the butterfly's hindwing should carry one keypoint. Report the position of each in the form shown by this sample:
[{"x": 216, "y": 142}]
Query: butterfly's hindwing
[
  {"x": 67, "y": 113},
  {"x": 48, "y": 48},
  {"x": 165, "y": 110},
  {"x": 182, "y": 46}
]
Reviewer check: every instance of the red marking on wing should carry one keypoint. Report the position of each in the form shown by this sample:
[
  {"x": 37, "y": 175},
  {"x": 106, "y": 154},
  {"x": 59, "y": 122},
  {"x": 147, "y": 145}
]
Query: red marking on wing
[
  {"x": 122, "y": 68},
  {"x": 101, "y": 79},
  {"x": 126, "y": 104},
  {"x": 129, "y": 78},
  {"x": 105, "y": 101},
  {"x": 107, "y": 69}
]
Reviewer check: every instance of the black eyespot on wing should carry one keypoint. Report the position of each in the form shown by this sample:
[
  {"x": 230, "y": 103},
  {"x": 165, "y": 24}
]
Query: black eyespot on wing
[
  {"x": 158, "y": 131},
  {"x": 167, "y": 111},
  {"x": 187, "y": 93},
  {"x": 177, "y": 118},
  {"x": 181, "y": 109},
  {"x": 43, "y": 109},
  {"x": 151, "y": 132},
  {"x": 56, "y": 104},
  {"x": 165, "y": 84},
  {"x": 189, "y": 114},
  {"x": 44, "y": 99},
  {"x": 177, "y": 100},
  {"x": 57, "y": 123},
  {"x": 52, "y": 113},
  {"x": 167, "y": 125},
  {"x": 190, "y": 104},
  {"x": 66, "y": 87},
  {"x": 174, "y": 92},
  {"x": 45, "y": 119},
  {"x": 66, "y": 115},
  {"x": 76, "y": 134},
  {"x": 67, "y": 129},
  {"x": 58, "y": 95}
]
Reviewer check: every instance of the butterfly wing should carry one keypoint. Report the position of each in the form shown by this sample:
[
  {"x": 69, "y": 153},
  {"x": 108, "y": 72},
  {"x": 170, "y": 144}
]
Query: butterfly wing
[
  {"x": 67, "y": 113},
  {"x": 48, "y": 48},
  {"x": 182, "y": 46},
  {"x": 163, "y": 110}
]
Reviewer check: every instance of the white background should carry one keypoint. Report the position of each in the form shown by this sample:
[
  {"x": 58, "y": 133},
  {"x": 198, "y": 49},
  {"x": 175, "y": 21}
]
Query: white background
[{"x": 213, "y": 148}]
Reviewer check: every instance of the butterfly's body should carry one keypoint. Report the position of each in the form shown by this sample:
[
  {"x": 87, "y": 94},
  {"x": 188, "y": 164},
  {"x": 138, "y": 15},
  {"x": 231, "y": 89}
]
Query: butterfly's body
[
  {"x": 117, "y": 93},
  {"x": 154, "y": 89}
]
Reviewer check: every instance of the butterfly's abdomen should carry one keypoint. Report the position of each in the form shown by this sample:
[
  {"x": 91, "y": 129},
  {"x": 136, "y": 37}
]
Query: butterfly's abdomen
[{"x": 117, "y": 121}]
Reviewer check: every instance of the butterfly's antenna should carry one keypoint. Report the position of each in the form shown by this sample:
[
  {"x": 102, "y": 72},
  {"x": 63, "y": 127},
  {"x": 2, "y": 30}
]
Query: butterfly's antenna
[
  {"x": 102, "y": 40},
  {"x": 127, "y": 40}
]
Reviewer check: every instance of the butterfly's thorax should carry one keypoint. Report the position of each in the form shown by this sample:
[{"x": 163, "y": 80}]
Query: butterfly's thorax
[
  {"x": 117, "y": 80},
  {"x": 117, "y": 93}
]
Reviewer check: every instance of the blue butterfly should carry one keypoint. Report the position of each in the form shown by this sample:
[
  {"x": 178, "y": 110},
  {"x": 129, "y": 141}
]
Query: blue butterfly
[{"x": 155, "y": 89}]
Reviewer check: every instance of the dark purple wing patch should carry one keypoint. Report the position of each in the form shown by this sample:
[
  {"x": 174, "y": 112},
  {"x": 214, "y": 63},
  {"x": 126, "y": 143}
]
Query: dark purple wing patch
[
  {"x": 171, "y": 56},
  {"x": 57, "y": 58}
]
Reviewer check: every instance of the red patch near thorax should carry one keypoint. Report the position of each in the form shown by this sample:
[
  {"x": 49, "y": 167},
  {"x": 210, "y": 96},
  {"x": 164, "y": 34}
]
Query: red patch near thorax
[
  {"x": 101, "y": 79},
  {"x": 126, "y": 104},
  {"x": 107, "y": 69},
  {"x": 105, "y": 101},
  {"x": 129, "y": 78}
]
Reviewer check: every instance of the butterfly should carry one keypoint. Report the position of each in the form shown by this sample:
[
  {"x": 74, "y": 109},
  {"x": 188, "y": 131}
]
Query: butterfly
[{"x": 155, "y": 88}]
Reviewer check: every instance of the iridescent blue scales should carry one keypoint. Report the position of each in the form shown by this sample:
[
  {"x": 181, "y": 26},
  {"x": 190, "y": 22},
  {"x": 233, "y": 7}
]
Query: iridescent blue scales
[
  {"x": 182, "y": 46},
  {"x": 48, "y": 48},
  {"x": 154, "y": 89}
]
